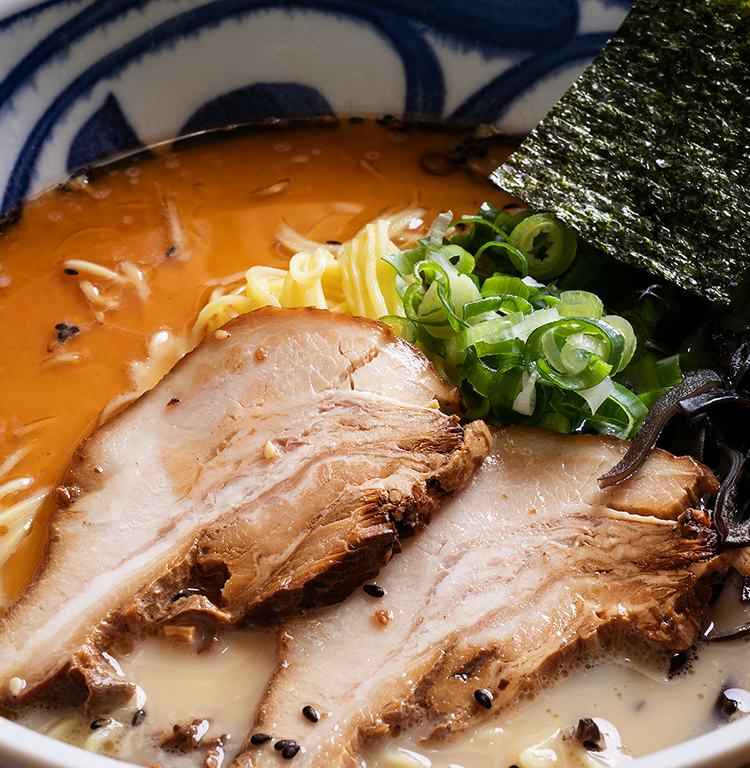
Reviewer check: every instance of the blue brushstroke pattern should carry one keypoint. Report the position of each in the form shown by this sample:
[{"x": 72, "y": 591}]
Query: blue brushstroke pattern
[
  {"x": 105, "y": 134},
  {"x": 59, "y": 42},
  {"x": 492, "y": 101},
  {"x": 425, "y": 89},
  {"x": 256, "y": 103},
  {"x": 32, "y": 11},
  {"x": 492, "y": 27},
  {"x": 486, "y": 24}
]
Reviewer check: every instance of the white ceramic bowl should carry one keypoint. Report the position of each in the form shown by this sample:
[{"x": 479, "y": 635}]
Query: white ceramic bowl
[
  {"x": 81, "y": 80},
  {"x": 84, "y": 79}
]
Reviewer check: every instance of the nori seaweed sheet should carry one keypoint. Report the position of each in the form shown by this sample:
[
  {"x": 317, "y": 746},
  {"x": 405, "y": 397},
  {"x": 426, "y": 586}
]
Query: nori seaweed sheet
[{"x": 647, "y": 156}]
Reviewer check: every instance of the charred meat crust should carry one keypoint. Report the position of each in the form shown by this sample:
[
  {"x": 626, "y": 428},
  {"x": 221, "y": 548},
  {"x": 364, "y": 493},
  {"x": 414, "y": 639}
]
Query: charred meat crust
[
  {"x": 242, "y": 488},
  {"x": 522, "y": 572}
]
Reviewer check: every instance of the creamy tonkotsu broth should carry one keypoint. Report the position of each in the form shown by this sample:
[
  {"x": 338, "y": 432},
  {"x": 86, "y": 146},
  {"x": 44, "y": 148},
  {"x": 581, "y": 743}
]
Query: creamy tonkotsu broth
[{"x": 166, "y": 232}]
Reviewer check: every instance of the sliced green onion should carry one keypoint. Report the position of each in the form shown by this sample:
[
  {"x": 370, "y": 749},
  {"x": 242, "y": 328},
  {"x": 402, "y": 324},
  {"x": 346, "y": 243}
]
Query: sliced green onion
[
  {"x": 631, "y": 342},
  {"x": 502, "y": 353},
  {"x": 521, "y": 351},
  {"x": 650, "y": 398},
  {"x": 513, "y": 221},
  {"x": 554, "y": 421},
  {"x": 403, "y": 327},
  {"x": 542, "y": 300},
  {"x": 580, "y": 304},
  {"x": 620, "y": 414},
  {"x": 506, "y": 285},
  {"x": 578, "y": 349},
  {"x": 504, "y": 389},
  {"x": 477, "y": 407},
  {"x": 529, "y": 323},
  {"x": 525, "y": 402},
  {"x": 596, "y": 395},
  {"x": 489, "y": 331},
  {"x": 439, "y": 228},
  {"x": 669, "y": 370},
  {"x": 506, "y": 304},
  {"x": 412, "y": 299},
  {"x": 403, "y": 261},
  {"x": 489, "y": 212},
  {"x": 433, "y": 345},
  {"x": 517, "y": 258},
  {"x": 590, "y": 368},
  {"x": 480, "y": 223},
  {"x": 549, "y": 246},
  {"x": 651, "y": 372},
  {"x": 459, "y": 258},
  {"x": 478, "y": 374}
]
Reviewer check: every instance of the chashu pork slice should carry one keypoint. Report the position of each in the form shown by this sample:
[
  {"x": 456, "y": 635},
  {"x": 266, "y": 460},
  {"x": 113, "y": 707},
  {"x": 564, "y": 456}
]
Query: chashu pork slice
[
  {"x": 517, "y": 573},
  {"x": 270, "y": 471}
]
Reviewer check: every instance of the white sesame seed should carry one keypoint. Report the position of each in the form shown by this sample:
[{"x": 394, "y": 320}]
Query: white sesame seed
[
  {"x": 270, "y": 451},
  {"x": 16, "y": 686}
]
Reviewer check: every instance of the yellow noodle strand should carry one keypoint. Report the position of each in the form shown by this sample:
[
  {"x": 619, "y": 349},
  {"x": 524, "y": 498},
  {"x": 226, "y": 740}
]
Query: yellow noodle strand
[
  {"x": 15, "y": 486},
  {"x": 264, "y": 286},
  {"x": 15, "y": 521},
  {"x": 302, "y": 283},
  {"x": 134, "y": 275},
  {"x": 64, "y": 728},
  {"x": 90, "y": 268},
  {"x": 351, "y": 278},
  {"x": 14, "y": 458},
  {"x": 220, "y": 311}
]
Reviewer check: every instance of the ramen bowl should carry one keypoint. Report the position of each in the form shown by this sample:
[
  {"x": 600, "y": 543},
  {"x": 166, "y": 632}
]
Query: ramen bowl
[{"x": 84, "y": 81}]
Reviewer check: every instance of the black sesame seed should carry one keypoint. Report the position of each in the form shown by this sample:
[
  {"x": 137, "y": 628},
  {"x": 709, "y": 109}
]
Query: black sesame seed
[
  {"x": 70, "y": 271},
  {"x": 284, "y": 743},
  {"x": 374, "y": 590},
  {"x": 588, "y": 734},
  {"x": 65, "y": 331},
  {"x": 355, "y": 119},
  {"x": 333, "y": 242},
  {"x": 171, "y": 251},
  {"x": 138, "y": 718},
  {"x": 174, "y": 401},
  {"x": 310, "y": 713},
  {"x": 725, "y": 705},
  {"x": 290, "y": 751},
  {"x": 732, "y": 700},
  {"x": 260, "y": 738},
  {"x": 483, "y": 697},
  {"x": 100, "y": 723},
  {"x": 680, "y": 662}
]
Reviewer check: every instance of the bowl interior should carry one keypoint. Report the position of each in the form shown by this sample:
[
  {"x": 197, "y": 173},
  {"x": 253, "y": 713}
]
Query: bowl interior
[{"x": 86, "y": 80}]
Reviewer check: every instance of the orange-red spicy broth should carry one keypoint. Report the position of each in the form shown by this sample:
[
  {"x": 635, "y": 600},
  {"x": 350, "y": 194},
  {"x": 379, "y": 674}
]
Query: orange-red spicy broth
[{"x": 173, "y": 228}]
